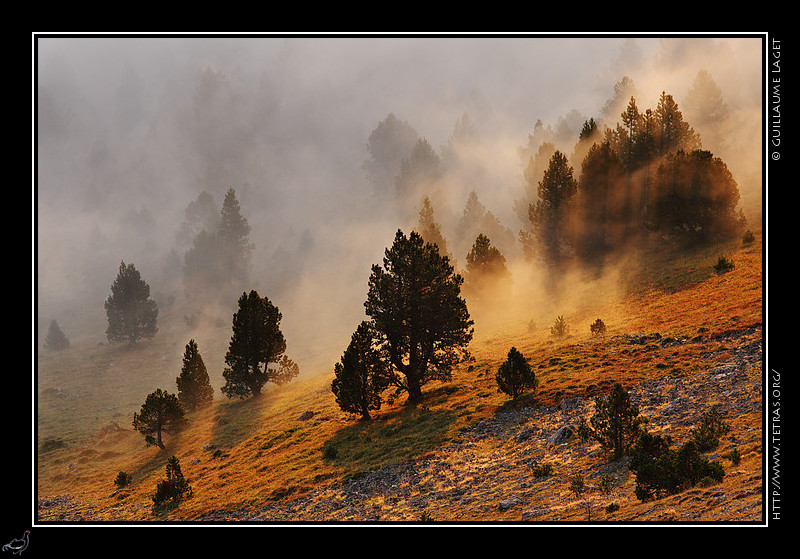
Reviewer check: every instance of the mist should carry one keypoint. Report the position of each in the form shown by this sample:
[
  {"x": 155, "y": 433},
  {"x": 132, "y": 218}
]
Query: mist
[{"x": 130, "y": 130}]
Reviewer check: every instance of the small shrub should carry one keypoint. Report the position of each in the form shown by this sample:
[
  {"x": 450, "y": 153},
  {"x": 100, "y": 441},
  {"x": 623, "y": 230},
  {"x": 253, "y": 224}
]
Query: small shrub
[
  {"x": 559, "y": 328},
  {"x": 734, "y": 456},
  {"x": 515, "y": 375},
  {"x": 604, "y": 484},
  {"x": 661, "y": 471},
  {"x": 597, "y": 328},
  {"x": 123, "y": 479},
  {"x": 706, "y": 435},
  {"x": 577, "y": 485},
  {"x": 542, "y": 470},
  {"x": 723, "y": 265},
  {"x": 611, "y": 507},
  {"x": 748, "y": 238},
  {"x": 171, "y": 490}
]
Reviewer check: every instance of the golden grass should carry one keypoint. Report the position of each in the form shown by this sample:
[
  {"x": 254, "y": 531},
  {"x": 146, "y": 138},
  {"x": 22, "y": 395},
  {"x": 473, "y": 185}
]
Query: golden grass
[{"x": 263, "y": 452}]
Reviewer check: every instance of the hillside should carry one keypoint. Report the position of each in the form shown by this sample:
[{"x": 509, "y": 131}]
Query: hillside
[{"x": 680, "y": 338}]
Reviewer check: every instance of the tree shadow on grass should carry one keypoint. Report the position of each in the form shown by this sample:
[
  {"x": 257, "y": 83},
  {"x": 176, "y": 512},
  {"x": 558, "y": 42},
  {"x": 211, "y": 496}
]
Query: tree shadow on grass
[
  {"x": 391, "y": 439},
  {"x": 237, "y": 420}
]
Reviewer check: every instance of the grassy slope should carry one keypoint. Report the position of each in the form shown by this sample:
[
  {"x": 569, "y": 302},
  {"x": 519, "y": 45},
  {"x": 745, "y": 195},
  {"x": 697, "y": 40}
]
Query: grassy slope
[{"x": 266, "y": 453}]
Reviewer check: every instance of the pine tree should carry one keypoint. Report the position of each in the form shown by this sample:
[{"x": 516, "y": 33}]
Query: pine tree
[
  {"x": 233, "y": 234},
  {"x": 175, "y": 487},
  {"x": 388, "y": 144},
  {"x": 194, "y": 386},
  {"x": 616, "y": 423},
  {"x": 429, "y": 228},
  {"x": 361, "y": 374},
  {"x": 487, "y": 277},
  {"x": 131, "y": 313},
  {"x": 161, "y": 412},
  {"x": 548, "y": 215},
  {"x": 415, "y": 302},
  {"x": 55, "y": 340},
  {"x": 515, "y": 375},
  {"x": 256, "y": 342}
]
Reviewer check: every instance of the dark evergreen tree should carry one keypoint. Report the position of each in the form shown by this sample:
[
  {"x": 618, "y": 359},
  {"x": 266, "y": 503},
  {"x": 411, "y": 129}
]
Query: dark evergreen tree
[
  {"x": 616, "y": 422},
  {"x": 194, "y": 386},
  {"x": 600, "y": 203},
  {"x": 256, "y": 342},
  {"x": 55, "y": 340},
  {"x": 549, "y": 215},
  {"x": 673, "y": 133},
  {"x": 515, "y": 375},
  {"x": 415, "y": 302},
  {"x": 695, "y": 199},
  {"x": 362, "y": 374},
  {"x": 175, "y": 487},
  {"x": 132, "y": 314},
  {"x": 161, "y": 412}
]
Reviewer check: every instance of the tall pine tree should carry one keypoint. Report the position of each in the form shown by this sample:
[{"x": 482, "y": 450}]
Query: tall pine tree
[
  {"x": 194, "y": 386},
  {"x": 132, "y": 314}
]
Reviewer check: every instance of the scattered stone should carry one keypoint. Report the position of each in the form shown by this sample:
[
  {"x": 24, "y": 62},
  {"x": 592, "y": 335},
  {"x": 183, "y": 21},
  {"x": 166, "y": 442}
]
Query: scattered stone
[
  {"x": 306, "y": 415},
  {"x": 506, "y": 504}
]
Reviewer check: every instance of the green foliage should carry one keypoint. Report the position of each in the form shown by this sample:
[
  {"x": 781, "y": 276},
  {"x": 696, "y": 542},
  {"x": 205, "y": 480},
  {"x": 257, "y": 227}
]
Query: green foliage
[
  {"x": 748, "y": 238},
  {"x": 604, "y": 484},
  {"x": 131, "y": 313},
  {"x": 160, "y": 412},
  {"x": 706, "y": 435},
  {"x": 194, "y": 386},
  {"x": 170, "y": 491},
  {"x": 415, "y": 303},
  {"x": 123, "y": 479},
  {"x": 616, "y": 423},
  {"x": 361, "y": 374},
  {"x": 661, "y": 471},
  {"x": 429, "y": 229},
  {"x": 559, "y": 329},
  {"x": 256, "y": 342},
  {"x": 515, "y": 375},
  {"x": 611, "y": 507},
  {"x": 55, "y": 340},
  {"x": 723, "y": 265},
  {"x": 597, "y": 328}
]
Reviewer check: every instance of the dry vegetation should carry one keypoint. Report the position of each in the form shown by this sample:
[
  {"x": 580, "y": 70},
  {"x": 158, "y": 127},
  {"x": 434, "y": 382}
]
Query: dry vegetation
[{"x": 247, "y": 456}]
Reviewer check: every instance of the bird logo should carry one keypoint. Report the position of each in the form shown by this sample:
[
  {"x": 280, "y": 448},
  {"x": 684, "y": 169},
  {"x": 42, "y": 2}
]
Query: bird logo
[{"x": 18, "y": 545}]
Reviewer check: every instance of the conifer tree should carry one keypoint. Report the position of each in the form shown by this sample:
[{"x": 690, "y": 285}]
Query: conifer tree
[
  {"x": 487, "y": 277},
  {"x": 131, "y": 313},
  {"x": 194, "y": 386},
  {"x": 362, "y": 374},
  {"x": 175, "y": 487},
  {"x": 616, "y": 423},
  {"x": 515, "y": 375},
  {"x": 55, "y": 340},
  {"x": 161, "y": 412},
  {"x": 415, "y": 302},
  {"x": 429, "y": 228},
  {"x": 257, "y": 341},
  {"x": 548, "y": 215}
]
